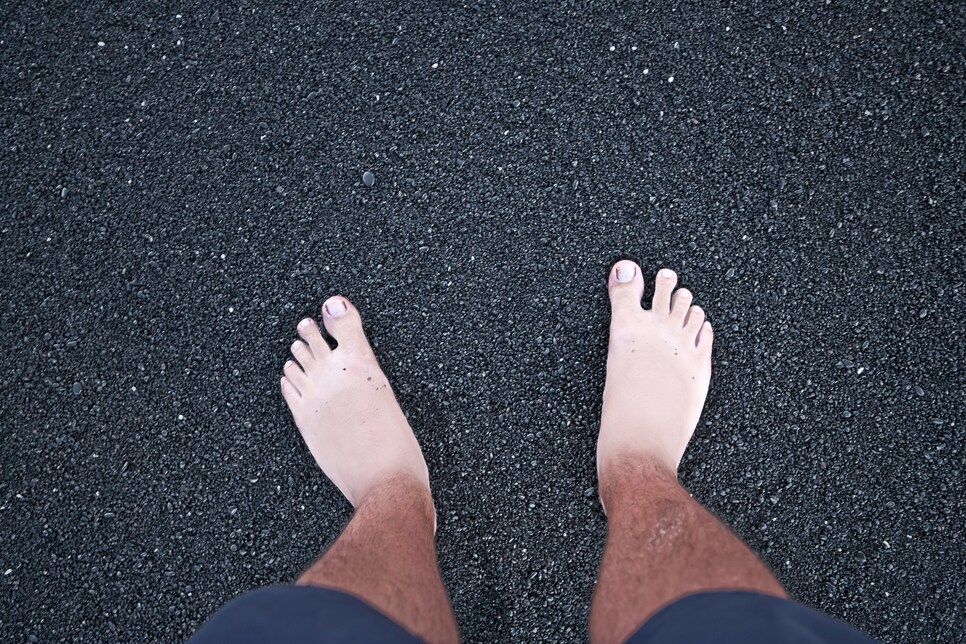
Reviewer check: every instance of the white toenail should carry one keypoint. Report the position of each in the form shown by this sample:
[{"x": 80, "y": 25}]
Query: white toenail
[
  {"x": 336, "y": 308},
  {"x": 667, "y": 272},
  {"x": 296, "y": 346},
  {"x": 625, "y": 273},
  {"x": 304, "y": 324}
]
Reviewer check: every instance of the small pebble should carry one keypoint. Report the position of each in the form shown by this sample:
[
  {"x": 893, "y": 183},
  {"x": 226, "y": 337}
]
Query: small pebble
[
  {"x": 730, "y": 273},
  {"x": 368, "y": 178},
  {"x": 76, "y": 388},
  {"x": 919, "y": 391}
]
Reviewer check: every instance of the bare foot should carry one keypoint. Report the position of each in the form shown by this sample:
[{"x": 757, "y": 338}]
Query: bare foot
[
  {"x": 345, "y": 409},
  {"x": 658, "y": 370}
]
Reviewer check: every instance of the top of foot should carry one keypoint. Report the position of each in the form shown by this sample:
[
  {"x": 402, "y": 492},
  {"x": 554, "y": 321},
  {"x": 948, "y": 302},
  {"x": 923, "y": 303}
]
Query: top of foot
[
  {"x": 658, "y": 370},
  {"x": 344, "y": 407}
]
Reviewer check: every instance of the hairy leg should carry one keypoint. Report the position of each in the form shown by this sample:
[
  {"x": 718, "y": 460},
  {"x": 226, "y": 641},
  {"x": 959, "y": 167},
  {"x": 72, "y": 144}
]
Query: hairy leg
[
  {"x": 662, "y": 545},
  {"x": 386, "y": 555}
]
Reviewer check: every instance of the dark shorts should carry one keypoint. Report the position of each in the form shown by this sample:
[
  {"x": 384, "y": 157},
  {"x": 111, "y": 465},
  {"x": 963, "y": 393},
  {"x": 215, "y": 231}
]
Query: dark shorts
[{"x": 302, "y": 614}]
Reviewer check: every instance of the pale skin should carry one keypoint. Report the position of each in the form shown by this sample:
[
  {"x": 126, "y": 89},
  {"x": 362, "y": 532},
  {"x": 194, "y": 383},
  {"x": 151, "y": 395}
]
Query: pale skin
[{"x": 661, "y": 543}]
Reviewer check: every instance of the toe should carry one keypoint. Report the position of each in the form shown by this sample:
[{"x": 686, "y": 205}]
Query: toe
[
  {"x": 309, "y": 331},
  {"x": 705, "y": 337},
  {"x": 680, "y": 303},
  {"x": 625, "y": 285},
  {"x": 664, "y": 285},
  {"x": 303, "y": 354},
  {"x": 343, "y": 322},
  {"x": 289, "y": 392},
  {"x": 694, "y": 320},
  {"x": 295, "y": 375}
]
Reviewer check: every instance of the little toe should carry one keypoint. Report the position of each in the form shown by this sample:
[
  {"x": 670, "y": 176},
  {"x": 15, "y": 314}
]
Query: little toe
[
  {"x": 289, "y": 392},
  {"x": 663, "y": 286},
  {"x": 705, "y": 337},
  {"x": 309, "y": 331},
  {"x": 694, "y": 320},
  {"x": 343, "y": 322},
  {"x": 625, "y": 285},
  {"x": 680, "y": 303}
]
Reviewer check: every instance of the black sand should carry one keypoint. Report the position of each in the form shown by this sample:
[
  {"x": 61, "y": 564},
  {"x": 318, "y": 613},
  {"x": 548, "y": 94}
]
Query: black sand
[{"x": 177, "y": 198}]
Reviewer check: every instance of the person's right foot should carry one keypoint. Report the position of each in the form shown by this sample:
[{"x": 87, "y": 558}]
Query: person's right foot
[
  {"x": 658, "y": 370},
  {"x": 345, "y": 409}
]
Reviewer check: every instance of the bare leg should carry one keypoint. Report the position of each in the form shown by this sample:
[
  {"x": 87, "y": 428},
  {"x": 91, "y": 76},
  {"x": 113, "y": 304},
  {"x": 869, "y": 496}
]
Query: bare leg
[
  {"x": 352, "y": 424},
  {"x": 661, "y": 543},
  {"x": 386, "y": 555}
]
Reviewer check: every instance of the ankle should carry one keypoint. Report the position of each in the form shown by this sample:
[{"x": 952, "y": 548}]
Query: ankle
[
  {"x": 401, "y": 494},
  {"x": 625, "y": 480}
]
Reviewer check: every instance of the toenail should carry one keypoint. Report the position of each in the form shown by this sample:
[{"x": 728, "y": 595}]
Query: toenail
[
  {"x": 296, "y": 346},
  {"x": 625, "y": 273},
  {"x": 335, "y": 308},
  {"x": 667, "y": 273},
  {"x": 304, "y": 324}
]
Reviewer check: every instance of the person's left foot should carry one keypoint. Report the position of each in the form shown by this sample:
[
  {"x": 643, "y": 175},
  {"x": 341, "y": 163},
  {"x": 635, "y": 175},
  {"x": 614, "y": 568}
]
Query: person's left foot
[{"x": 345, "y": 409}]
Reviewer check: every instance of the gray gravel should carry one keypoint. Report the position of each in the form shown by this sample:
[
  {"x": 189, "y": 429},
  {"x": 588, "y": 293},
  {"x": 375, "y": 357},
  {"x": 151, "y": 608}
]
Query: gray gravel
[{"x": 181, "y": 184}]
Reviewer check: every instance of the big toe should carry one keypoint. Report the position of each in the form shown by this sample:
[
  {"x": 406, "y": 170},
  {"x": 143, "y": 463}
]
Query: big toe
[
  {"x": 343, "y": 322},
  {"x": 625, "y": 285}
]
